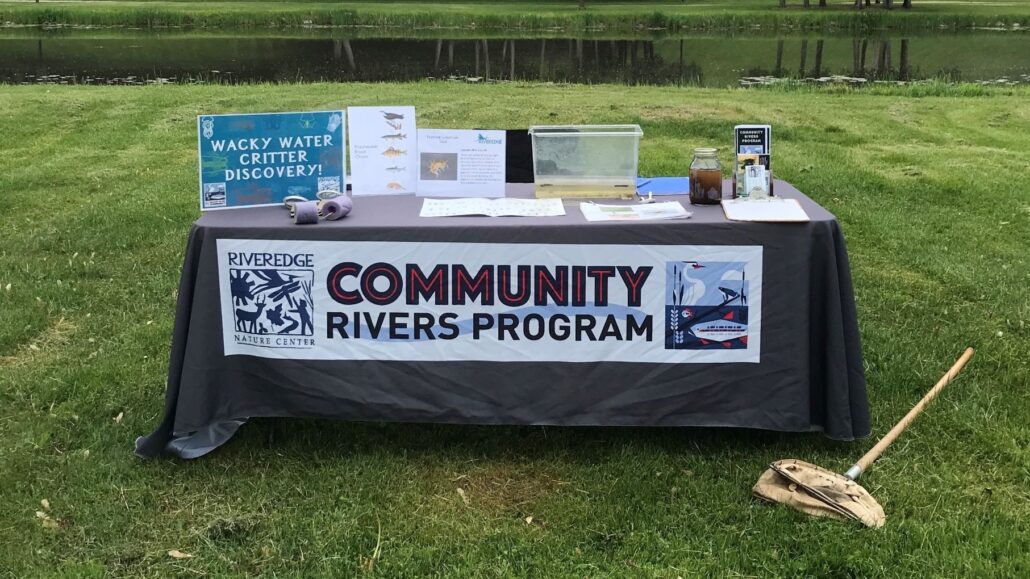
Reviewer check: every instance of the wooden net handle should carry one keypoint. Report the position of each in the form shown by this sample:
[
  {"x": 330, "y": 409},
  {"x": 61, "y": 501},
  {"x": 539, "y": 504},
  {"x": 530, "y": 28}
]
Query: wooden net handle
[{"x": 875, "y": 452}]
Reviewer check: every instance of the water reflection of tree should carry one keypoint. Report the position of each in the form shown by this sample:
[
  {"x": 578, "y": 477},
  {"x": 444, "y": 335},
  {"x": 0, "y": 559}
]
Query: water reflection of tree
[
  {"x": 882, "y": 68},
  {"x": 569, "y": 60},
  {"x": 648, "y": 61},
  {"x": 341, "y": 46},
  {"x": 599, "y": 61},
  {"x": 658, "y": 61}
]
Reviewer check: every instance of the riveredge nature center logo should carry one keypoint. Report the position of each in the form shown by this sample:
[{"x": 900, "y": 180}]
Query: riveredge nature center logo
[
  {"x": 483, "y": 140},
  {"x": 272, "y": 299}
]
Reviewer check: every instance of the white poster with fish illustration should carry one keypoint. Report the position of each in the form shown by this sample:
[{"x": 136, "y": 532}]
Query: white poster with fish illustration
[
  {"x": 460, "y": 163},
  {"x": 383, "y": 153}
]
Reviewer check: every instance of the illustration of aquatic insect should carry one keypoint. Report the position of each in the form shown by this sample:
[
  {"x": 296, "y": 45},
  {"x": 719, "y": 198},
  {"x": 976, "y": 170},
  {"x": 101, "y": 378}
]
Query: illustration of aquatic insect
[
  {"x": 392, "y": 152},
  {"x": 395, "y": 126},
  {"x": 392, "y": 116},
  {"x": 396, "y": 169},
  {"x": 397, "y": 137},
  {"x": 395, "y": 186},
  {"x": 437, "y": 167}
]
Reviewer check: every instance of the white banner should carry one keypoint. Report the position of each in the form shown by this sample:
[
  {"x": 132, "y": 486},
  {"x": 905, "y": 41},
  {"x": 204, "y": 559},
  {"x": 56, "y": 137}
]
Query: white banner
[{"x": 430, "y": 302}]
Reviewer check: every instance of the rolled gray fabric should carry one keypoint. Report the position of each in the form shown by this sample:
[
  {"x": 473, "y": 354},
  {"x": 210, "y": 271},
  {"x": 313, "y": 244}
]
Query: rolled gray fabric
[
  {"x": 305, "y": 212},
  {"x": 335, "y": 208}
]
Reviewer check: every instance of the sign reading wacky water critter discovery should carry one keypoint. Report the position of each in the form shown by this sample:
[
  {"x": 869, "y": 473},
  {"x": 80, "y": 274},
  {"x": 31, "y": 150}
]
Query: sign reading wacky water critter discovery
[
  {"x": 353, "y": 300},
  {"x": 260, "y": 159}
]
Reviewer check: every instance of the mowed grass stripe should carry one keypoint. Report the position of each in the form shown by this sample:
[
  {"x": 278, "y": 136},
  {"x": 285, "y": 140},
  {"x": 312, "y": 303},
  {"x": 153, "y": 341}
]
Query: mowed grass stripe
[{"x": 932, "y": 201}]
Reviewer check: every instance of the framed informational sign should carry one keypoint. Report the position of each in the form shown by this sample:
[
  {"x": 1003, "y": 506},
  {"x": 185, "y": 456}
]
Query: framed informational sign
[
  {"x": 461, "y": 163},
  {"x": 249, "y": 160},
  {"x": 383, "y": 152}
]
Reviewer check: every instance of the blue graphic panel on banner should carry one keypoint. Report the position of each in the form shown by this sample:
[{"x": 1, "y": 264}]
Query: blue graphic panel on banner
[
  {"x": 706, "y": 305},
  {"x": 260, "y": 159}
]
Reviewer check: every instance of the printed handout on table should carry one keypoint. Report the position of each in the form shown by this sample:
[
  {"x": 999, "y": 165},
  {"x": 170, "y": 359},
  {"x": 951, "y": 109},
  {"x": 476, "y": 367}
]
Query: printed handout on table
[
  {"x": 773, "y": 209},
  {"x": 492, "y": 207},
  {"x": 461, "y": 163},
  {"x": 383, "y": 151}
]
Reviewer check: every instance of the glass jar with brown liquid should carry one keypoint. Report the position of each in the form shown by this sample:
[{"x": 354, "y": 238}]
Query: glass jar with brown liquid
[{"x": 705, "y": 178}]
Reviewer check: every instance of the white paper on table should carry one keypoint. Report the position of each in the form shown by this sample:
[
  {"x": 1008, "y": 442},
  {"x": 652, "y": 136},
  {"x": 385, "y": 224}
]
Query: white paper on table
[
  {"x": 666, "y": 210},
  {"x": 383, "y": 150},
  {"x": 774, "y": 209},
  {"x": 492, "y": 207},
  {"x": 461, "y": 163}
]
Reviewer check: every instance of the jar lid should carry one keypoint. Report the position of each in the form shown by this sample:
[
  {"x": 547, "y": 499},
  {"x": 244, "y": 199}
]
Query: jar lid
[{"x": 705, "y": 152}]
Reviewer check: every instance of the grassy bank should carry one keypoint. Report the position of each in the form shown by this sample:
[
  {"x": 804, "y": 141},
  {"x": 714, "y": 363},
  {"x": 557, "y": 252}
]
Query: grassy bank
[
  {"x": 100, "y": 187},
  {"x": 607, "y": 16}
]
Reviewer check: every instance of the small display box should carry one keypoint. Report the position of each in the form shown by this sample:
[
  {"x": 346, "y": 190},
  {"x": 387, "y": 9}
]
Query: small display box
[{"x": 585, "y": 160}]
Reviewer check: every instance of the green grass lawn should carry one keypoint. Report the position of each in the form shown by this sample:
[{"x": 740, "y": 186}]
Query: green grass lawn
[
  {"x": 930, "y": 186},
  {"x": 523, "y": 15}
]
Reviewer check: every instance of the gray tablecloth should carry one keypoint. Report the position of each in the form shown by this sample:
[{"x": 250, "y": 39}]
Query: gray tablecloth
[{"x": 810, "y": 377}]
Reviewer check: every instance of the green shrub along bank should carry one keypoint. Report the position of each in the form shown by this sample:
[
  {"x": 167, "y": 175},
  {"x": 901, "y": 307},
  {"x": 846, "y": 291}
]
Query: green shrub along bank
[{"x": 529, "y": 16}]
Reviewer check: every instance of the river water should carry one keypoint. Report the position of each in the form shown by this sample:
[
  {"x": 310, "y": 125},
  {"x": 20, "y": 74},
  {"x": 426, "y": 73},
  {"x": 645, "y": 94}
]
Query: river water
[{"x": 29, "y": 56}]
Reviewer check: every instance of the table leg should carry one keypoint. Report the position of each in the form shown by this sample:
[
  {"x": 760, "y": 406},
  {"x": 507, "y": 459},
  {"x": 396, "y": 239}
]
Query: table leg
[{"x": 273, "y": 431}]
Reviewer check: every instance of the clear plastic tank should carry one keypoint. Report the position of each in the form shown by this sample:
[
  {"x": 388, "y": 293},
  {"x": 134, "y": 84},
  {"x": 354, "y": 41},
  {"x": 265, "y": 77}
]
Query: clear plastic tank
[{"x": 585, "y": 160}]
